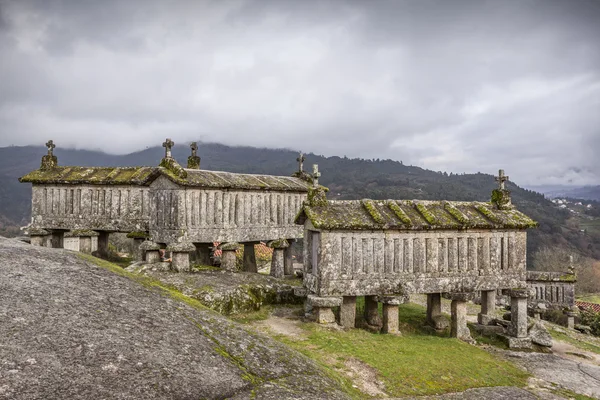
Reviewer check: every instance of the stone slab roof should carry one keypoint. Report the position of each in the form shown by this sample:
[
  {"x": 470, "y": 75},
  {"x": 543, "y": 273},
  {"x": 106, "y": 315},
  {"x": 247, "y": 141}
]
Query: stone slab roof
[
  {"x": 411, "y": 215},
  {"x": 143, "y": 176},
  {"x": 230, "y": 180},
  {"x": 93, "y": 175}
]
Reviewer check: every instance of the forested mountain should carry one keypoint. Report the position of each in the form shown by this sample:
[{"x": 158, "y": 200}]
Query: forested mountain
[{"x": 346, "y": 178}]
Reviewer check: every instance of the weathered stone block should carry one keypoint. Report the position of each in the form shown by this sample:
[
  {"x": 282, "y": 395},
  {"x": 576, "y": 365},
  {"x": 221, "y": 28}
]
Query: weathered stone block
[
  {"x": 278, "y": 263},
  {"x": 390, "y": 319},
  {"x": 393, "y": 300},
  {"x": 516, "y": 343},
  {"x": 348, "y": 312},
  {"x": 458, "y": 324},
  {"x": 324, "y": 315},
  {"x": 288, "y": 260},
  {"x": 316, "y": 301},
  {"x": 488, "y": 307}
]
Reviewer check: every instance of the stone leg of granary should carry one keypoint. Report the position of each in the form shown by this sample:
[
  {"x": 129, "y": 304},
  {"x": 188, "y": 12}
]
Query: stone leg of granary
[
  {"x": 202, "y": 254},
  {"x": 348, "y": 312},
  {"x": 180, "y": 255},
  {"x": 58, "y": 238},
  {"x": 228, "y": 260},
  {"x": 434, "y": 312},
  {"x": 571, "y": 319},
  {"x": 103, "y": 244},
  {"x": 152, "y": 256},
  {"x": 85, "y": 244},
  {"x": 458, "y": 321},
  {"x": 277, "y": 263},
  {"x": 488, "y": 307},
  {"x": 138, "y": 255},
  {"x": 390, "y": 313},
  {"x": 37, "y": 240},
  {"x": 288, "y": 260},
  {"x": 322, "y": 308},
  {"x": 249, "y": 258},
  {"x": 517, "y": 330},
  {"x": 371, "y": 311}
]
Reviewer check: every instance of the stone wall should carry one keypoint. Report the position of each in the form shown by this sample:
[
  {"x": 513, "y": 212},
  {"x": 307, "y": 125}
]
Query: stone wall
[
  {"x": 73, "y": 243},
  {"x": 98, "y": 207},
  {"x": 380, "y": 262},
  {"x": 206, "y": 216},
  {"x": 555, "y": 289}
]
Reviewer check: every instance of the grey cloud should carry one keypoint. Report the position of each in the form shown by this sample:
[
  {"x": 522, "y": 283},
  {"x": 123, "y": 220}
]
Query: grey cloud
[{"x": 457, "y": 86}]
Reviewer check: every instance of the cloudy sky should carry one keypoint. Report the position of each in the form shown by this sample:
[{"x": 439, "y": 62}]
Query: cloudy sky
[{"x": 460, "y": 86}]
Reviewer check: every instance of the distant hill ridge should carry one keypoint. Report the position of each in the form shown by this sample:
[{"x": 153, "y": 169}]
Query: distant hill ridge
[{"x": 346, "y": 178}]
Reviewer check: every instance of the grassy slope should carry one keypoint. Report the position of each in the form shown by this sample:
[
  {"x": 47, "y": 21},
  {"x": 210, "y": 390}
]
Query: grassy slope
[{"x": 416, "y": 363}]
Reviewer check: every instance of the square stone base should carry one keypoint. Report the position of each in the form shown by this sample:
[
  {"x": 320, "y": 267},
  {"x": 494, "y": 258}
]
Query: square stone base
[
  {"x": 516, "y": 343},
  {"x": 485, "y": 319}
]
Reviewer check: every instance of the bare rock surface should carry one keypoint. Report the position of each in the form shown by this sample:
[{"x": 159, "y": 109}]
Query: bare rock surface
[
  {"x": 580, "y": 377},
  {"x": 495, "y": 393},
  {"x": 71, "y": 329}
]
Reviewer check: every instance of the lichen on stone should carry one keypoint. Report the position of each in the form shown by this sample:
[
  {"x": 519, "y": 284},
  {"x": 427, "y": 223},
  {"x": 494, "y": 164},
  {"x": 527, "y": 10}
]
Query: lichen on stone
[
  {"x": 393, "y": 205},
  {"x": 456, "y": 213},
  {"x": 138, "y": 235},
  {"x": 501, "y": 198},
  {"x": 317, "y": 196},
  {"x": 373, "y": 212},
  {"x": 279, "y": 244},
  {"x": 173, "y": 166},
  {"x": 429, "y": 217}
]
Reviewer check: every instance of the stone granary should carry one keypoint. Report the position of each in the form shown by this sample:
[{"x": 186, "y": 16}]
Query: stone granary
[
  {"x": 386, "y": 250},
  {"x": 182, "y": 209}
]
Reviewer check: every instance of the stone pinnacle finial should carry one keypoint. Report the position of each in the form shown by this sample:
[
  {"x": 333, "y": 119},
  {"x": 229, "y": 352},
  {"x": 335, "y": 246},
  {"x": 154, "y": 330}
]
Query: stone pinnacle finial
[
  {"x": 300, "y": 160},
  {"x": 316, "y": 175},
  {"x": 168, "y": 144},
  {"x": 50, "y": 145},
  {"x": 501, "y": 178},
  {"x": 194, "y": 160}
]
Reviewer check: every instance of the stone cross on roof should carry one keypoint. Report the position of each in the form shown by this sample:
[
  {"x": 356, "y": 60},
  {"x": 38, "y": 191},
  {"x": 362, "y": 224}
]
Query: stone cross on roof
[
  {"x": 300, "y": 160},
  {"x": 194, "y": 147},
  {"x": 501, "y": 178},
  {"x": 168, "y": 144},
  {"x": 50, "y": 145},
  {"x": 316, "y": 175}
]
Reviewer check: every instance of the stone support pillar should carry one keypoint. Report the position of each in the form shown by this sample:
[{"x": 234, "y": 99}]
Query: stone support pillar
[
  {"x": 458, "y": 320},
  {"x": 38, "y": 237},
  {"x": 150, "y": 251},
  {"x": 249, "y": 258},
  {"x": 571, "y": 319},
  {"x": 85, "y": 244},
  {"x": 518, "y": 313},
  {"x": 103, "y": 244},
  {"x": 434, "y": 312},
  {"x": 180, "y": 256},
  {"x": 321, "y": 307},
  {"x": 288, "y": 260},
  {"x": 390, "y": 313},
  {"x": 278, "y": 261},
  {"x": 517, "y": 330},
  {"x": 348, "y": 312},
  {"x": 488, "y": 307},
  {"x": 228, "y": 256},
  {"x": 58, "y": 238},
  {"x": 202, "y": 254},
  {"x": 138, "y": 255},
  {"x": 371, "y": 311}
]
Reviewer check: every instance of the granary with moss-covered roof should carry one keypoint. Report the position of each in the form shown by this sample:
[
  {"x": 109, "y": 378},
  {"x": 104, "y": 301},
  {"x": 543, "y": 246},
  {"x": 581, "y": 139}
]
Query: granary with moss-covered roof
[
  {"x": 178, "y": 208},
  {"x": 387, "y": 249}
]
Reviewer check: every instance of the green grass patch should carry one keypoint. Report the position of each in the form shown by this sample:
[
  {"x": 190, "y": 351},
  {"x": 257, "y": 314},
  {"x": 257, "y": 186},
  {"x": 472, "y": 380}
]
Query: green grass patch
[
  {"x": 567, "y": 394},
  {"x": 414, "y": 364},
  {"x": 579, "y": 343},
  {"x": 200, "y": 267},
  {"x": 253, "y": 316},
  {"x": 590, "y": 298}
]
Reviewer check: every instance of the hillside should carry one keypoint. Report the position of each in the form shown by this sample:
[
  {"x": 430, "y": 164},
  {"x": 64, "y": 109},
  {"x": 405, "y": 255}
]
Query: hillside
[{"x": 346, "y": 178}]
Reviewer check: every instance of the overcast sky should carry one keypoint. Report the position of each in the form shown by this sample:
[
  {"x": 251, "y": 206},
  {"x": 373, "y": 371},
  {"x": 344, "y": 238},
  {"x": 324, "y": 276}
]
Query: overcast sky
[{"x": 461, "y": 86}]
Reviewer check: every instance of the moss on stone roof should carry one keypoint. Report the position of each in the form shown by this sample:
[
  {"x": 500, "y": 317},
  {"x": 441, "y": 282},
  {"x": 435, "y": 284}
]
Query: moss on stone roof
[
  {"x": 230, "y": 180},
  {"x": 411, "y": 215},
  {"x": 143, "y": 176},
  {"x": 93, "y": 175}
]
